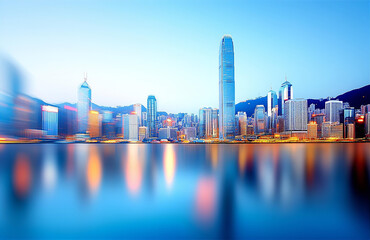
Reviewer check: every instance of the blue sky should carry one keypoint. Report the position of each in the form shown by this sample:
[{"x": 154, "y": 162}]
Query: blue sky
[{"x": 131, "y": 49}]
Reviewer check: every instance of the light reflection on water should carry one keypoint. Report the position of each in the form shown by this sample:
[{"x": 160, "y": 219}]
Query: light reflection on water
[{"x": 189, "y": 191}]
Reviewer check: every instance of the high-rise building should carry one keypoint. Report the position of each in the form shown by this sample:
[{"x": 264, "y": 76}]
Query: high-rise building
[
  {"x": 94, "y": 124},
  {"x": 367, "y": 124},
  {"x": 271, "y": 102},
  {"x": 285, "y": 93},
  {"x": 67, "y": 121},
  {"x": 259, "y": 120},
  {"x": 83, "y": 106},
  {"x": 205, "y": 123},
  {"x": 215, "y": 124},
  {"x": 143, "y": 133},
  {"x": 126, "y": 126},
  {"x": 312, "y": 130},
  {"x": 226, "y": 89},
  {"x": 295, "y": 115},
  {"x": 152, "y": 116},
  {"x": 332, "y": 108},
  {"x": 167, "y": 133},
  {"x": 133, "y": 127},
  {"x": 242, "y": 123},
  {"x": 319, "y": 119},
  {"x": 137, "y": 110},
  {"x": 189, "y": 132},
  {"x": 50, "y": 120}
]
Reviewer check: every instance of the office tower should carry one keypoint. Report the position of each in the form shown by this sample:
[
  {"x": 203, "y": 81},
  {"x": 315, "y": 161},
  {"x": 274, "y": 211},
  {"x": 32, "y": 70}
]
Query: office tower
[
  {"x": 319, "y": 119},
  {"x": 50, "y": 120},
  {"x": 83, "y": 106},
  {"x": 312, "y": 130},
  {"x": 189, "y": 132},
  {"x": 137, "y": 110},
  {"x": 118, "y": 125},
  {"x": 271, "y": 102},
  {"x": 94, "y": 124},
  {"x": 259, "y": 120},
  {"x": 126, "y": 126},
  {"x": 226, "y": 89},
  {"x": 295, "y": 115},
  {"x": 143, "y": 133},
  {"x": 347, "y": 116},
  {"x": 167, "y": 133},
  {"x": 205, "y": 123},
  {"x": 144, "y": 119},
  {"x": 367, "y": 124},
  {"x": 242, "y": 123},
  {"x": 285, "y": 93},
  {"x": 350, "y": 131},
  {"x": 311, "y": 110},
  {"x": 280, "y": 124},
  {"x": 332, "y": 130},
  {"x": 332, "y": 108},
  {"x": 360, "y": 126},
  {"x": 133, "y": 127},
  {"x": 67, "y": 121},
  {"x": 274, "y": 119},
  {"x": 215, "y": 124},
  {"x": 152, "y": 116},
  {"x": 108, "y": 126}
]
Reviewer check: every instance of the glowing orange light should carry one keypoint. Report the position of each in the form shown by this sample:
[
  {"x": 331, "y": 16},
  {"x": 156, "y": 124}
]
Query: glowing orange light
[
  {"x": 133, "y": 169},
  {"x": 205, "y": 198},
  {"x": 22, "y": 175},
  {"x": 94, "y": 170},
  {"x": 169, "y": 164}
]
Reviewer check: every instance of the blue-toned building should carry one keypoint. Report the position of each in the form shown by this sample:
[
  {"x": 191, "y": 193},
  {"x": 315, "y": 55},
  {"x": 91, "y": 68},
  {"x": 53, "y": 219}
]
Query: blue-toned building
[
  {"x": 259, "y": 120},
  {"x": 83, "y": 107},
  {"x": 50, "y": 120},
  {"x": 271, "y": 102},
  {"x": 285, "y": 94},
  {"x": 226, "y": 89},
  {"x": 152, "y": 116}
]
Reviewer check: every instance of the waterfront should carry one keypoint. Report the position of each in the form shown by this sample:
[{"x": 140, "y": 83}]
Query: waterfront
[{"x": 185, "y": 190}]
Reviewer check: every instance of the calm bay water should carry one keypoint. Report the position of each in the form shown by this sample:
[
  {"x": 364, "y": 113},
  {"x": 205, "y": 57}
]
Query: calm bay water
[{"x": 185, "y": 191}]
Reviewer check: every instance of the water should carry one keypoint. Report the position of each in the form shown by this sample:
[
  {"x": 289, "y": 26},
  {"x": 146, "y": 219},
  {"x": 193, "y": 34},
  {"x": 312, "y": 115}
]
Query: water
[{"x": 185, "y": 191}]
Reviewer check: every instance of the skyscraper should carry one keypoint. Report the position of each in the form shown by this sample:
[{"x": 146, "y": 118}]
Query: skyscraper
[
  {"x": 259, "y": 119},
  {"x": 271, "y": 102},
  {"x": 205, "y": 123},
  {"x": 332, "y": 108},
  {"x": 83, "y": 106},
  {"x": 152, "y": 116},
  {"x": 285, "y": 93},
  {"x": 295, "y": 115},
  {"x": 50, "y": 120},
  {"x": 226, "y": 89},
  {"x": 137, "y": 110}
]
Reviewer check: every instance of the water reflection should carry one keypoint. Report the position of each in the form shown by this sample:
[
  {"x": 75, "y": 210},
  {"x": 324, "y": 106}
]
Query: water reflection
[
  {"x": 93, "y": 170},
  {"x": 217, "y": 191},
  {"x": 169, "y": 164}
]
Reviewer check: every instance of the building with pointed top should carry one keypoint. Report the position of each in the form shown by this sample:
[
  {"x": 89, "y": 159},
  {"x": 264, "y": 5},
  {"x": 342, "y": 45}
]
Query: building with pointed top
[
  {"x": 83, "y": 106},
  {"x": 285, "y": 93}
]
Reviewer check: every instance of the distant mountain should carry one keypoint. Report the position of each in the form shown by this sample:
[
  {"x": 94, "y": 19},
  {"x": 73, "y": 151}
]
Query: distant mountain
[{"x": 355, "y": 98}]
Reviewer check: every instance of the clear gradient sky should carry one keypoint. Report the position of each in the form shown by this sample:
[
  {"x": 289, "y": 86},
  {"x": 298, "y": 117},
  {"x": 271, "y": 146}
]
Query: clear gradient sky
[{"x": 131, "y": 49}]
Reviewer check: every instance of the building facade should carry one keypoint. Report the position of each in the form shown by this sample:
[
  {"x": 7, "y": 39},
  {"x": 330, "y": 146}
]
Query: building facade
[
  {"x": 152, "y": 116},
  {"x": 226, "y": 89},
  {"x": 83, "y": 107}
]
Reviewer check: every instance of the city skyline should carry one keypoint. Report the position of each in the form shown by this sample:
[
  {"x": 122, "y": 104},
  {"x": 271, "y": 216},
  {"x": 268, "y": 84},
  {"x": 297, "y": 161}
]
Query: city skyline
[{"x": 266, "y": 50}]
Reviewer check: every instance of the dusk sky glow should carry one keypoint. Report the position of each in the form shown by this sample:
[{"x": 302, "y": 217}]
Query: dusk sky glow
[{"x": 131, "y": 49}]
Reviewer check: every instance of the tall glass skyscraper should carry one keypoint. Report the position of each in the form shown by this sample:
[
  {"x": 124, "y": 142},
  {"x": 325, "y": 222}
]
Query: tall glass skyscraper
[
  {"x": 271, "y": 102},
  {"x": 152, "y": 116},
  {"x": 226, "y": 89},
  {"x": 83, "y": 106},
  {"x": 285, "y": 93}
]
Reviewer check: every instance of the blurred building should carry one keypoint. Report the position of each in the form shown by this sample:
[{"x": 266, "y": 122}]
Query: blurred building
[
  {"x": 271, "y": 102},
  {"x": 137, "y": 110},
  {"x": 350, "y": 131},
  {"x": 83, "y": 106},
  {"x": 50, "y": 121},
  {"x": 152, "y": 116},
  {"x": 259, "y": 120},
  {"x": 226, "y": 89},
  {"x": 67, "y": 118},
  {"x": 126, "y": 126},
  {"x": 332, "y": 130},
  {"x": 332, "y": 108},
  {"x": 285, "y": 93},
  {"x": 215, "y": 123},
  {"x": 242, "y": 123},
  {"x": 295, "y": 115},
  {"x": 167, "y": 133},
  {"x": 347, "y": 116},
  {"x": 108, "y": 125},
  {"x": 133, "y": 127},
  {"x": 144, "y": 119},
  {"x": 189, "y": 132},
  {"x": 360, "y": 126},
  {"x": 94, "y": 124},
  {"x": 367, "y": 124},
  {"x": 312, "y": 130},
  {"x": 143, "y": 133},
  {"x": 205, "y": 123},
  {"x": 319, "y": 119}
]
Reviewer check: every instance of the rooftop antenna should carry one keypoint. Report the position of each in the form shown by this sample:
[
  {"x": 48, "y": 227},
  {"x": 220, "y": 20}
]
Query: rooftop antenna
[{"x": 85, "y": 76}]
